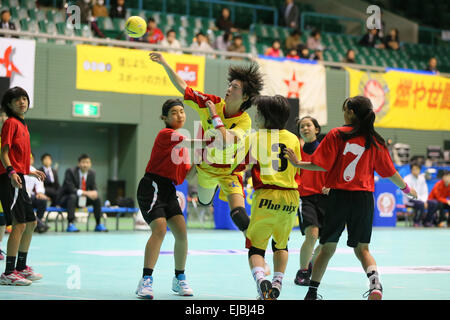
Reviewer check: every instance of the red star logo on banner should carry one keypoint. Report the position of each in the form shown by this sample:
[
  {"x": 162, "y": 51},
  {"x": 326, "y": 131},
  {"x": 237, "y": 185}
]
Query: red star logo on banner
[
  {"x": 9, "y": 65},
  {"x": 293, "y": 87}
]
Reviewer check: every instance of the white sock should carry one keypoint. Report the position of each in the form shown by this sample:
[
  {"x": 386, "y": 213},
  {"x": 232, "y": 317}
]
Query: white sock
[
  {"x": 371, "y": 269},
  {"x": 278, "y": 276},
  {"x": 258, "y": 274}
]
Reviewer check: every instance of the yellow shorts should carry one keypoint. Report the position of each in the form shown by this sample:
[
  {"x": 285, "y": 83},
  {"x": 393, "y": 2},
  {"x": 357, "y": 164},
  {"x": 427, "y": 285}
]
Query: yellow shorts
[
  {"x": 273, "y": 215},
  {"x": 209, "y": 177}
]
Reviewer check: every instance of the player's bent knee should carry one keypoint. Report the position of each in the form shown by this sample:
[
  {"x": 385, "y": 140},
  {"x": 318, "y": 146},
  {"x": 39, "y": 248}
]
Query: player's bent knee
[
  {"x": 275, "y": 249},
  {"x": 260, "y": 252},
  {"x": 240, "y": 218}
]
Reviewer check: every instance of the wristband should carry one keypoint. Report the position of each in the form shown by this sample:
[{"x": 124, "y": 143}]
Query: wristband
[
  {"x": 406, "y": 189},
  {"x": 217, "y": 122},
  {"x": 10, "y": 170}
]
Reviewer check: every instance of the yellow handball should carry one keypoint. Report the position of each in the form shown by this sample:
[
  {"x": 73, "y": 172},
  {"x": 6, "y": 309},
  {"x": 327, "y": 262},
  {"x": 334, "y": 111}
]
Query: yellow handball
[{"x": 135, "y": 27}]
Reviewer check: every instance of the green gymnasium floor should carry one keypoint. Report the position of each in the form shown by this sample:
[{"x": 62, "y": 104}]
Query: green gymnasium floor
[{"x": 413, "y": 263}]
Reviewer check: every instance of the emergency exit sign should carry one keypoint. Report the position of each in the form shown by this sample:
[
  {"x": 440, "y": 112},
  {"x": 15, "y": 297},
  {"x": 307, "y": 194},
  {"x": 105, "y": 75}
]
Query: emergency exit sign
[{"x": 86, "y": 109}]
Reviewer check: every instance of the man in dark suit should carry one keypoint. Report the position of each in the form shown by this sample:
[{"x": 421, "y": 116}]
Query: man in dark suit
[
  {"x": 290, "y": 14},
  {"x": 5, "y": 22},
  {"x": 79, "y": 190},
  {"x": 51, "y": 182}
]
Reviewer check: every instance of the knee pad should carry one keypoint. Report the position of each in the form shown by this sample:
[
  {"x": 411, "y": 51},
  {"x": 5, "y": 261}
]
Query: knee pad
[
  {"x": 274, "y": 249},
  {"x": 257, "y": 251},
  {"x": 240, "y": 218}
]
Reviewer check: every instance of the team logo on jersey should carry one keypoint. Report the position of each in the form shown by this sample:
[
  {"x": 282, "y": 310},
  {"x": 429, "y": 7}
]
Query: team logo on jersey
[
  {"x": 188, "y": 72},
  {"x": 374, "y": 87},
  {"x": 386, "y": 204},
  {"x": 181, "y": 200}
]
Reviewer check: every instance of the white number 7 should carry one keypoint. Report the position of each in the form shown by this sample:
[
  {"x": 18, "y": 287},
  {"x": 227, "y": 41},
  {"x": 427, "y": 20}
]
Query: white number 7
[{"x": 357, "y": 150}]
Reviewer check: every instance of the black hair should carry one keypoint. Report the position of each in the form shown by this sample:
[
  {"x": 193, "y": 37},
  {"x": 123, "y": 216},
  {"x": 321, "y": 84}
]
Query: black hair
[
  {"x": 150, "y": 19},
  {"x": 200, "y": 34},
  {"x": 295, "y": 32},
  {"x": 45, "y": 155},
  {"x": 315, "y": 32},
  {"x": 363, "y": 122},
  {"x": 445, "y": 172},
  {"x": 3, "y": 11},
  {"x": 83, "y": 156},
  {"x": 414, "y": 164},
  {"x": 275, "y": 111},
  {"x": 168, "y": 105},
  {"x": 9, "y": 96},
  {"x": 276, "y": 40},
  {"x": 251, "y": 78},
  {"x": 227, "y": 35},
  {"x": 313, "y": 120},
  {"x": 169, "y": 31}
]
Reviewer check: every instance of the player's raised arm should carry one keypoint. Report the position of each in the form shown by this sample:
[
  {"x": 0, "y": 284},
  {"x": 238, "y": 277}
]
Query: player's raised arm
[
  {"x": 176, "y": 80},
  {"x": 290, "y": 155}
]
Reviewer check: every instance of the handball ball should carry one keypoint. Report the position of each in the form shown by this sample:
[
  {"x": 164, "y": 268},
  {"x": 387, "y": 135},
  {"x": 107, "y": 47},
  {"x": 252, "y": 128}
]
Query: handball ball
[{"x": 135, "y": 27}]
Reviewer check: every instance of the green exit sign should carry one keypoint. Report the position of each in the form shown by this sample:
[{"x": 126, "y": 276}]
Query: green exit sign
[{"x": 86, "y": 109}]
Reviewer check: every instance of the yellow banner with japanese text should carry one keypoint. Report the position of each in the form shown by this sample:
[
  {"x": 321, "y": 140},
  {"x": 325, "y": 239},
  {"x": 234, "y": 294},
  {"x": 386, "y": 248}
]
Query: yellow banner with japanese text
[
  {"x": 404, "y": 99},
  {"x": 123, "y": 70}
]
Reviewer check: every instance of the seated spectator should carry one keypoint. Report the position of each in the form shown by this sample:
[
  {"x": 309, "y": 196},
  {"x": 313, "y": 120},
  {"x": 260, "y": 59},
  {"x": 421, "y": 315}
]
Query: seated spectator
[
  {"x": 6, "y": 23},
  {"x": 274, "y": 50},
  {"x": 370, "y": 39},
  {"x": 432, "y": 65},
  {"x": 391, "y": 41},
  {"x": 439, "y": 201},
  {"x": 223, "y": 41},
  {"x": 99, "y": 9},
  {"x": 171, "y": 41},
  {"x": 201, "y": 42},
  {"x": 36, "y": 192},
  {"x": 303, "y": 51},
  {"x": 224, "y": 22},
  {"x": 237, "y": 46},
  {"x": 290, "y": 14},
  {"x": 51, "y": 182},
  {"x": 314, "y": 41},
  {"x": 85, "y": 11},
  {"x": 79, "y": 189},
  {"x": 317, "y": 55},
  {"x": 154, "y": 34},
  {"x": 418, "y": 182},
  {"x": 293, "y": 40},
  {"x": 292, "y": 54},
  {"x": 118, "y": 10},
  {"x": 349, "y": 56}
]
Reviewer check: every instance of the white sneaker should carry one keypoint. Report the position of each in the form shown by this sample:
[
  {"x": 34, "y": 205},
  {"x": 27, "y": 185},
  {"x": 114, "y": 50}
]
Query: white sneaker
[
  {"x": 29, "y": 274},
  {"x": 276, "y": 289},
  {"x": 145, "y": 288},
  {"x": 264, "y": 288},
  {"x": 180, "y": 286},
  {"x": 14, "y": 279}
]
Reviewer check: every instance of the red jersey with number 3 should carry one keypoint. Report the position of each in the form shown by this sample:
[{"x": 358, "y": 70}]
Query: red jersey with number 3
[{"x": 350, "y": 166}]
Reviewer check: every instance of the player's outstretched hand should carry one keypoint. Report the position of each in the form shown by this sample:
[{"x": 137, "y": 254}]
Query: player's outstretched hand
[
  {"x": 38, "y": 174},
  {"x": 290, "y": 155},
  {"x": 212, "y": 107},
  {"x": 157, "y": 57}
]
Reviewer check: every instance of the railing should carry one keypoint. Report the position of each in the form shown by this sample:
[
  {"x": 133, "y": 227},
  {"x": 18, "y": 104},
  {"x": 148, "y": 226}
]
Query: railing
[
  {"x": 433, "y": 33},
  {"x": 306, "y": 14}
]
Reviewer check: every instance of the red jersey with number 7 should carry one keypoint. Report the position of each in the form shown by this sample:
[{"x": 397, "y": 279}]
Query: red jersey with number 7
[{"x": 350, "y": 166}]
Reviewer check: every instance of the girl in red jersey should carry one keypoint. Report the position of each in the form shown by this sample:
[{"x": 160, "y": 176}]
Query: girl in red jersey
[
  {"x": 313, "y": 200},
  {"x": 157, "y": 198},
  {"x": 350, "y": 154},
  {"x": 14, "y": 164}
]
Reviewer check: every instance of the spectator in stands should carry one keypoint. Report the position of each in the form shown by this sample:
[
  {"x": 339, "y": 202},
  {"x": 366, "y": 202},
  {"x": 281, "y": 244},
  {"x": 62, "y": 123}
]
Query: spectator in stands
[
  {"x": 432, "y": 65},
  {"x": 118, "y": 10},
  {"x": 99, "y": 9},
  {"x": 303, "y": 51},
  {"x": 290, "y": 14},
  {"x": 171, "y": 41},
  {"x": 275, "y": 50},
  {"x": 349, "y": 56},
  {"x": 391, "y": 41},
  {"x": 223, "y": 41},
  {"x": 154, "y": 34},
  {"x": 293, "y": 54},
  {"x": 237, "y": 46},
  {"x": 224, "y": 22},
  {"x": 201, "y": 42},
  {"x": 6, "y": 23},
  {"x": 317, "y": 55},
  {"x": 371, "y": 39},
  {"x": 85, "y": 11},
  {"x": 36, "y": 192},
  {"x": 51, "y": 182},
  {"x": 418, "y": 182},
  {"x": 293, "y": 40},
  {"x": 439, "y": 201},
  {"x": 314, "y": 41},
  {"x": 80, "y": 189}
]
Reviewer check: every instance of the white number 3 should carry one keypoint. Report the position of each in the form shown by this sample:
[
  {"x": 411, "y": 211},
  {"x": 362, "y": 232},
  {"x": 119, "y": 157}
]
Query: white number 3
[{"x": 357, "y": 150}]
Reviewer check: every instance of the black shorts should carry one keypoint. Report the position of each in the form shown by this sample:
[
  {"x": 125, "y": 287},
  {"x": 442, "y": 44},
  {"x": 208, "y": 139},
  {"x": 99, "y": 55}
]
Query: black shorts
[
  {"x": 352, "y": 208},
  {"x": 16, "y": 203},
  {"x": 157, "y": 198},
  {"x": 312, "y": 211}
]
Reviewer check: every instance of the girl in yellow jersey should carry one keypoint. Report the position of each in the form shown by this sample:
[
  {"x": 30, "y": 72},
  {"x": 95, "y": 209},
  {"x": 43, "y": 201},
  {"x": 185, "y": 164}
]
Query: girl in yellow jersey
[{"x": 276, "y": 198}]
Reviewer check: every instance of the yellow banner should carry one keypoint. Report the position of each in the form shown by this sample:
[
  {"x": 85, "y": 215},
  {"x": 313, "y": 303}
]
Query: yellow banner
[
  {"x": 403, "y": 99},
  {"x": 124, "y": 70}
]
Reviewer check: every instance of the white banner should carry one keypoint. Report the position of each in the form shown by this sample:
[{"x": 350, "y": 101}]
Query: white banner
[
  {"x": 17, "y": 63},
  {"x": 304, "y": 81}
]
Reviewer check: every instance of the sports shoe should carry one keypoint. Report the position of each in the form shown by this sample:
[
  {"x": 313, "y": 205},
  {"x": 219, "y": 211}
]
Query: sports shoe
[
  {"x": 312, "y": 295},
  {"x": 264, "y": 288},
  {"x": 276, "y": 289},
  {"x": 180, "y": 286},
  {"x": 100, "y": 228},
  {"x": 29, "y": 274},
  {"x": 145, "y": 288},
  {"x": 14, "y": 279},
  {"x": 375, "y": 291},
  {"x": 71, "y": 228},
  {"x": 2, "y": 255},
  {"x": 302, "y": 278}
]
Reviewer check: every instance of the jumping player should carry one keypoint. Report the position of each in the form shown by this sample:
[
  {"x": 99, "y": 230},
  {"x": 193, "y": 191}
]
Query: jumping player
[{"x": 350, "y": 154}]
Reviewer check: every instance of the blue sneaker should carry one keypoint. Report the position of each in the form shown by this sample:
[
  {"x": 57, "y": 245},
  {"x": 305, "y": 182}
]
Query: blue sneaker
[
  {"x": 180, "y": 286},
  {"x": 71, "y": 228},
  {"x": 100, "y": 228},
  {"x": 145, "y": 288}
]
